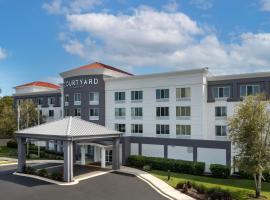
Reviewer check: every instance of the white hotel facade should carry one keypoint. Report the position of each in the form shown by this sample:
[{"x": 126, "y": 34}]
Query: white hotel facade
[{"x": 180, "y": 115}]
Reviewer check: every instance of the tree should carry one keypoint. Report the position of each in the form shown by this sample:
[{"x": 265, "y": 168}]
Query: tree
[
  {"x": 7, "y": 117},
  {"x": 250, "y": 135},
  {"x": 28, "y": 114}
]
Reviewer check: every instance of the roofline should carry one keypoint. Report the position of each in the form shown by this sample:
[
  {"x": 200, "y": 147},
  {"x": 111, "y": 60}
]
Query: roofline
[
  {"x": 239, "y": 76},
  {"x": 29, "y": 85},
  {"x": 179, "y": 72},
  {"x": 36, "y": 93}
]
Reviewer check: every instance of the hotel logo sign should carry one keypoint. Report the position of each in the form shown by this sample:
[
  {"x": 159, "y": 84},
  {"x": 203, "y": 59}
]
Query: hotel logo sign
[{"x": 78, "y": 83}]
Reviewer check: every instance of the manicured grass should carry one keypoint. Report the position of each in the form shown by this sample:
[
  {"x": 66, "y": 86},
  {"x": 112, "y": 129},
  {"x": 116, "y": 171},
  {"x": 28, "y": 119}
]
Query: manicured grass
[
  {"x": 8, "y": 152},
  {"x": 241, "y": 189}
]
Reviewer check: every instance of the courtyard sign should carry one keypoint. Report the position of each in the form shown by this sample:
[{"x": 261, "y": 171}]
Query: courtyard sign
[{"x": 81, "y": 82}]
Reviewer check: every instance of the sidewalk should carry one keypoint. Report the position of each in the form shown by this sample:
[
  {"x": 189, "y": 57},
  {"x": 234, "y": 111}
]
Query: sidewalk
[
  {"x": 14, "y": 161},
  {"x": 157, "y": 184}
]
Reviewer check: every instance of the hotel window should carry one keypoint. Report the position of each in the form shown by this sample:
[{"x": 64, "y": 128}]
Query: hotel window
[
  {"x": 77, "y": 112},
  {"x": 93, "y": 98},
  {"x": 120, "y": 112},
  {"x": 51, "y": 113},
  {"x": 221, "y": 130},
  {"x": 77, "y": 99},
  {"x": 108, "y": 156},
  {"x": 183, "y": 93},
  {"x": 183, "y": 111},
  {"x": 119, "y": 96},
  {"x": 120, "y": 127},
  {"x": 19, "y": 101},
  {"x": 162, "y": 111},
  {"x": 51, "y": 100},
  {"x": 40, "y": 101},
  {"x": 94, "y": 114},
  {"x": 162, "y": 94},
  {"x": 184, "y": 130},
  {"x": 162, "y": 129},
  {"x": 221, "y": 92},
  {"x": 246, "y": 90},
  {"x": 221, "y": 111},
  {"x": 67, "y": 112},
  {"x": 136, "y": 128},
  {"x": 136, "y": 95},
  {"x": 66, "y": 99},
  {"x": 136, "y": 112}
]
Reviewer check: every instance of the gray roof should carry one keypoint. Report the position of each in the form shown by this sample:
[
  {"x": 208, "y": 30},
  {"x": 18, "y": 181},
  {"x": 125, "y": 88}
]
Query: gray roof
[{"x": 68, "y": 127}]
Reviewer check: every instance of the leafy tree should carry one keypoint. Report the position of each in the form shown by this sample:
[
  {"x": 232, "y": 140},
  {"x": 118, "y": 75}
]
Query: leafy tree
[
  {"x": 249, "y": 132},
  {"x": 7, "y": 117},
  {"x": 28, "y": 114}
]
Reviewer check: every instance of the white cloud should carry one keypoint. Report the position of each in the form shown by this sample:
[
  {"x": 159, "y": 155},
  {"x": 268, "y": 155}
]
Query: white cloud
[
  {"x": 3, "y": 54},
  {"x": 202, "y": 4},
  {"x": 149, "y": 37},
  {"x": 171, "y": 6},
  {"x": 69, "y": 6},
  {"x": 265, "y": 5}
]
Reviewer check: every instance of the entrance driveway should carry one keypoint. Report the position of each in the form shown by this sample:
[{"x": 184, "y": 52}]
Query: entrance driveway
[{"x": 111, "y": 186}]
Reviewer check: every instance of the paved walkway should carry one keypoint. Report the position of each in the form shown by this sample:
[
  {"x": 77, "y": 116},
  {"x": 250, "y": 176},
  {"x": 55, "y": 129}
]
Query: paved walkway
[{"x": 157, "y": 184}]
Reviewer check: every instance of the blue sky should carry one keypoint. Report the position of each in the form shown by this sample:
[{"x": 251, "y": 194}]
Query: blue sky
[{"x": 40, "y": 39}]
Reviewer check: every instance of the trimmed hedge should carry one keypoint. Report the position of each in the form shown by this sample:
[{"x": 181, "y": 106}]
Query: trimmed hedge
[
  {"x": 164, "y": 164},
  {"x": 220, "y": 171}
]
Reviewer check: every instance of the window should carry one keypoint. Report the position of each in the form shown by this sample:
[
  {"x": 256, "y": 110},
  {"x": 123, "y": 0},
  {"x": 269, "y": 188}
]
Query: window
[
  {"x": 19, "y": 101},
  {"x": 183, "y": 111},
  {"x": 182, "y": 93},
  {"x": 67, "y": 112},
  {"x": 94, "y": 113},
  {"x": 136, "y": 112},
  {"x": 77, "y": 112},
  {"x": 136, "y": 95},
  {"x": 221, "y": 130},
  {"x": 40, "y": 101},
  {"x": 120, "y": 112},
  {"x": 246, "y": 90},
  {"x": 66, "y": 100},
  {"x": 221, "y": 92},
  {"x": 93, "y": 98},
  {"x": 108, "y": 156},
  {"x": 119, "y": 96},
  {"x": 51, "y": 113},
  {"x": 183, "y": 130},
  {"x": 136, "y": 128},
  {"x": 77, "y": 99},
  {"x": 162, "y": 94},
  {"x": 120, "y": 127},
  {"x": 162, "y": 129},
  {"x": 51, "y": 100},
  {"x": 162, "y": 111},
  {"x": 221, "y": 111}
]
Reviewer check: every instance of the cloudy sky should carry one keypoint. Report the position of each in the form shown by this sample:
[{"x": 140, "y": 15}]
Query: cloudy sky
[{"x": 39, "y": 39}]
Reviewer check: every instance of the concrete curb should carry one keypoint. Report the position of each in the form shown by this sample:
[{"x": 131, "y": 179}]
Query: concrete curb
[{"x": 34, "y": 162}]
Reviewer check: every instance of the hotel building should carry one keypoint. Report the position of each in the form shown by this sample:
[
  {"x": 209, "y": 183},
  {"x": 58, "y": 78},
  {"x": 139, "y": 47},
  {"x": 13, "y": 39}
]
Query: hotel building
[{"x": 180, "y": 114}]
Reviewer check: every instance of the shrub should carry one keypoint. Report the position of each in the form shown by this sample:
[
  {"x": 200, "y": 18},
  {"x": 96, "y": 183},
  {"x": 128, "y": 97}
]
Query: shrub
[
  {"x": 12, "y": 144},
  {"x": 33, "y": 156},
  {"x": 147, "y": 168},
  {"x": 165, "y": 164},
  {"x": 56, "y": 176},
  {"x": 220, "y": 171},
  {"x": 42, "y": 172},
  {"x": 218, "y": 193},
  {"x": 30, "y": 170}
]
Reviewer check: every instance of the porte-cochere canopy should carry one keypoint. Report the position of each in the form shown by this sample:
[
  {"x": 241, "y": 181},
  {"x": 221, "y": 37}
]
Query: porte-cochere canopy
[{"x": 69, "y": 130}]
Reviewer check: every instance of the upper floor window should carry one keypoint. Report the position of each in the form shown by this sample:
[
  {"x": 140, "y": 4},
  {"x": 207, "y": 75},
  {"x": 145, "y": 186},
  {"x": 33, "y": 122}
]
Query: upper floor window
[
  {"x": 136, "y": 112},
  {"x": 120, "y": 112},
  {"x": 136, "y": 128},
  {"x": 93, "y": 98},
  {"x": 162, "y": 94},
  {"x": 221, "y": 130},
  {"x": 136, "y": 95},
  {"x": 77, "y": 99},
  {"x": 221, "y": 111},
  {"x": 51, "y": 100},
  {"x": 162, "y": 129},
  {"x": 221, "y": 92},
  {"x": 120, "y": 127},
  {"x": 19, "y": 101},
  {"x": 40, "y": 101},
  {"x": 183, "y": 130},
  {"x": 77, "y": 112},
  {"x": 51, "y": 113},
  {"x": 119, "y": 96},
  {"x": 162, "y": 111},
  {"x": 183, "y": 111},
  {"x": 246, "y": 90},
  {"x": 94, "y": 113},
  {"x": 183, "y": 93}
]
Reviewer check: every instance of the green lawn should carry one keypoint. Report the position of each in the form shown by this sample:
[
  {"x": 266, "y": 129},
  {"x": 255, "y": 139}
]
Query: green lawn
[
  {"x": 8, "y": 152},
  {"x": 242, "y": 189}
]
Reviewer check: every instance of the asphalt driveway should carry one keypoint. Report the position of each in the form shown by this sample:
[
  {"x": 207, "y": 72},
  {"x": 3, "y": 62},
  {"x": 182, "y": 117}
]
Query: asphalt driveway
[{"x": 111, "y": 186}]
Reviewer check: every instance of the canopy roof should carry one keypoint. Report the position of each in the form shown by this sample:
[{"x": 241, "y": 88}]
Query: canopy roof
[{"x": 68, "y": 128}]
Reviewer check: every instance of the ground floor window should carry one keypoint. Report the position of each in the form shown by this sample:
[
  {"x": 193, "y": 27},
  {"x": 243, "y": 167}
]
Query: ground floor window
[{"x": 108, "y": 156}]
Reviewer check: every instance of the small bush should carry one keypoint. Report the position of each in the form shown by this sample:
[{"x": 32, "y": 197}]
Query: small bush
[
  {"x": 42, "y": 172},
  {"x": 57, "y": 176},
  {"x": 33, "y": 156},
  {"x": 30, "y": 170},
  {"x": 220, "y": 171},
  {"x": 146, "y": 168},
  {"x": 12, "y": 144},
  {"x": 218, "y": 193}
]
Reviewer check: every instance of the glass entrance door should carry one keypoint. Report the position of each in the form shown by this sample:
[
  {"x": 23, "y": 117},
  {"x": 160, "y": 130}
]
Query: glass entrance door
[{"x": 108, "y": 156}]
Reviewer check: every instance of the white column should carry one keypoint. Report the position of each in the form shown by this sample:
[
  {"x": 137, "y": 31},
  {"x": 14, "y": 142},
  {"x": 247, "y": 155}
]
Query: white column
[
  {"x": 83, "y": 154},
  {"x": 95, "y": 154},
  {"x": 103, "y": 161}
]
